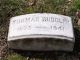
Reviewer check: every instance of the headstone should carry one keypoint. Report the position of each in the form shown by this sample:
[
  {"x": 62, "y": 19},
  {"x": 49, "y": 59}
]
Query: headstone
[{"x": 41, "y": 32}]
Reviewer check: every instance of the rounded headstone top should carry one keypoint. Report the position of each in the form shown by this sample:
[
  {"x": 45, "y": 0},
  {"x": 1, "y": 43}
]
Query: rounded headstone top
[{"x": 41, "y": 25}]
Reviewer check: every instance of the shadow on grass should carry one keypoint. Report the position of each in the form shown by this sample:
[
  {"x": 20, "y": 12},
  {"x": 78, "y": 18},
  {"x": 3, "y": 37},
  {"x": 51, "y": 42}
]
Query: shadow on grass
[
  {"x": 77, "y": 40},
  {"x": 53, "y": 54}
]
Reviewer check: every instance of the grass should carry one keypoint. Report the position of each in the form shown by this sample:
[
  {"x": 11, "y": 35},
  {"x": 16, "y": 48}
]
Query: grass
[
  {"x": 15, "y": 56},
  {"x": 12, "y": 8},
  {"x": 43, "y": 56}
]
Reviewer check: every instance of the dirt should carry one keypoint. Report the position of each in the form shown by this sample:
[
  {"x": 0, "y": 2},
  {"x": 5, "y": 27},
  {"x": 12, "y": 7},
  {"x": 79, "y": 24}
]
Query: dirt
[{"x": 13, "y": 11}]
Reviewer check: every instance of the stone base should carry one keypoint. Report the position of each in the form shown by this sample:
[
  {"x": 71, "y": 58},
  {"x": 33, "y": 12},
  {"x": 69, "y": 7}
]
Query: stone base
[{"x": 42, "y": 44}]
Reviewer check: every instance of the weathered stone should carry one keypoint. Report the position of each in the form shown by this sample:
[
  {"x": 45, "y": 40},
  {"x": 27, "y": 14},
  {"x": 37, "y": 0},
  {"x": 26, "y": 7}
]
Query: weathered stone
[
  {"x": 42, "y": 44},
  {"x": 41, "y": 32}
]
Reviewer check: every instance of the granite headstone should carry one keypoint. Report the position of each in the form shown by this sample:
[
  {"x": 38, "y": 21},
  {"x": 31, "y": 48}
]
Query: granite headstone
[{"x": 41, "y": 32}]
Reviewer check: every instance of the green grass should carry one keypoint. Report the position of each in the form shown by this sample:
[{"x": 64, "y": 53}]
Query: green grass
[
  {"x": 15, "y": 56},
  {"x": 10, "y": 8}
]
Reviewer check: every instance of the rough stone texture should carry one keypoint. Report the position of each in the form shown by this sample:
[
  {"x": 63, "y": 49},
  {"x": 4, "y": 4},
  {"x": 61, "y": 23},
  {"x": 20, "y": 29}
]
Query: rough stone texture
[{"x": 42, "y": 44}]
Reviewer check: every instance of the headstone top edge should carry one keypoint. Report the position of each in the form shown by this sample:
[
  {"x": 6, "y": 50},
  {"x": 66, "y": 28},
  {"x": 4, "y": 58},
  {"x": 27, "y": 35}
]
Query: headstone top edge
[{"x": 39, "y": 14}]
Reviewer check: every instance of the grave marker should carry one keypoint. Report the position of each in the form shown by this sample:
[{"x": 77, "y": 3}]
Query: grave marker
[{"x": 41, "y": 31}]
